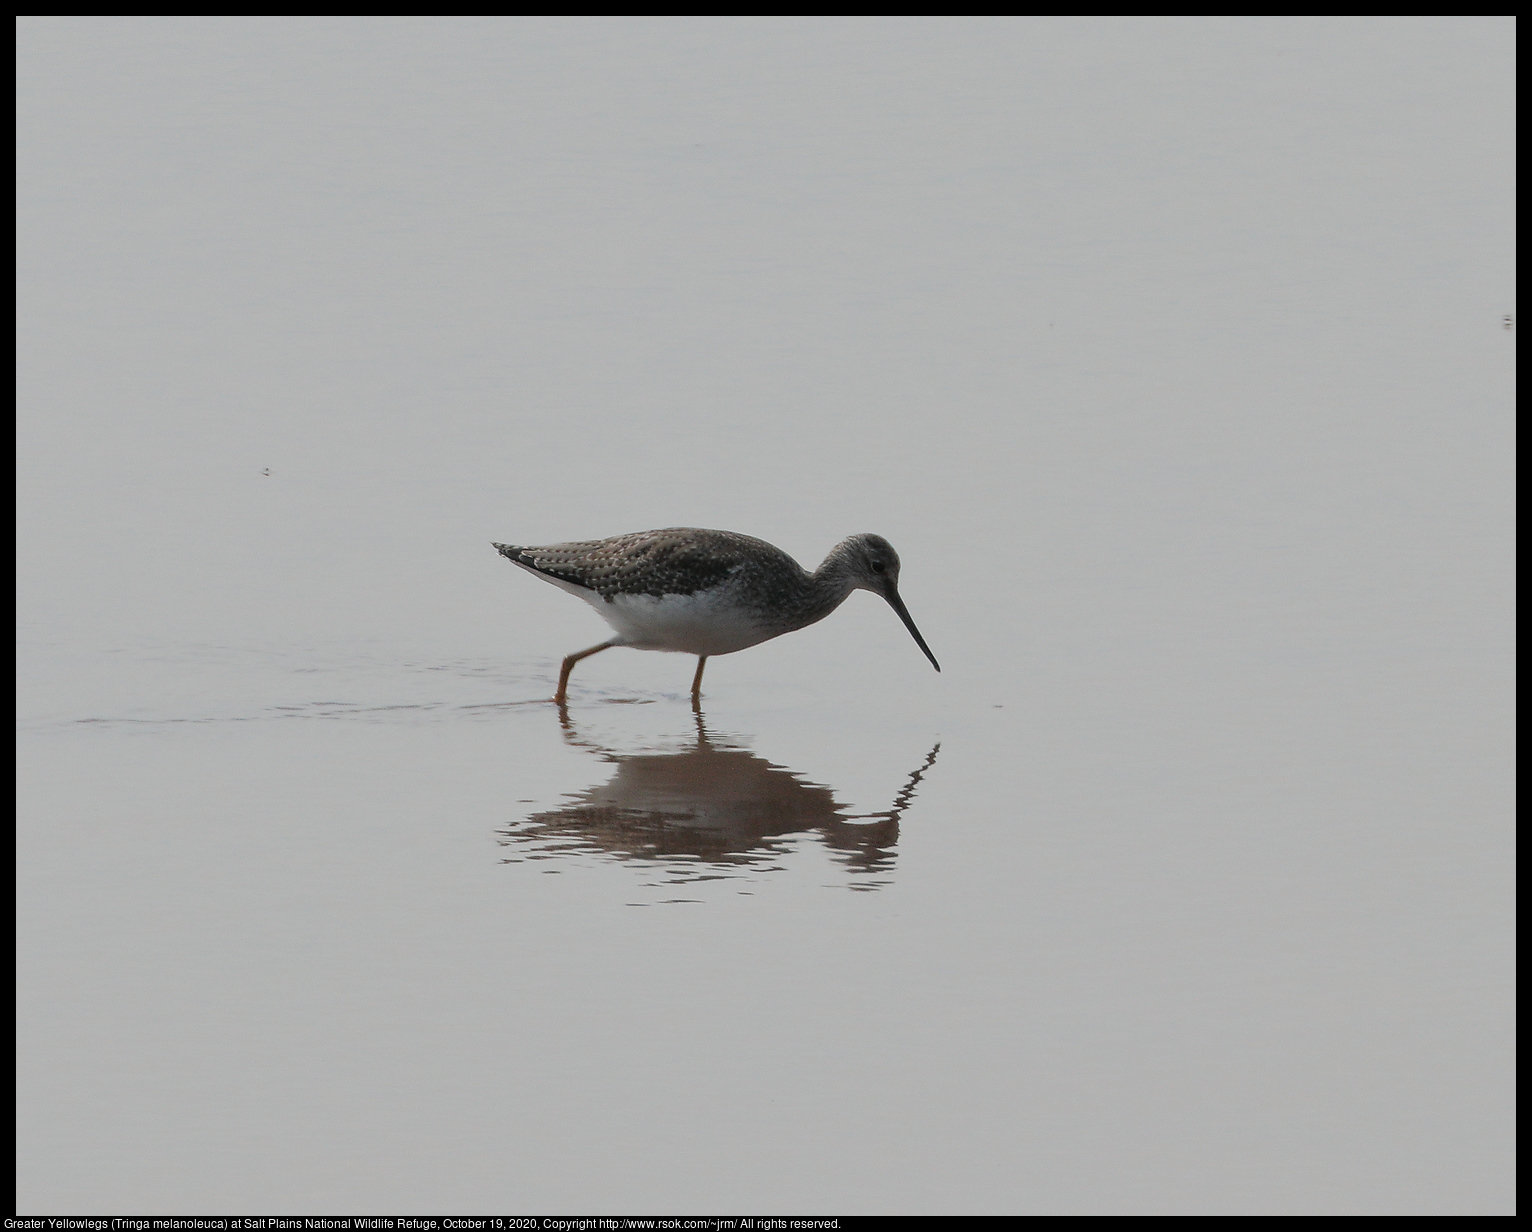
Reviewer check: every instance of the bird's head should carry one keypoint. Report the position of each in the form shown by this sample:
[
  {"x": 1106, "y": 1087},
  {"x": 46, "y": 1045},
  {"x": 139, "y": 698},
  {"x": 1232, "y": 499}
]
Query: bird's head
[{"x": 870, "y": 563}]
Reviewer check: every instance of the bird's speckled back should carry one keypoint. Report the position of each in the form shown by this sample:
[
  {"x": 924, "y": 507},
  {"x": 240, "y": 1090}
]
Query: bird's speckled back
[{"x": 678, "y": 560}]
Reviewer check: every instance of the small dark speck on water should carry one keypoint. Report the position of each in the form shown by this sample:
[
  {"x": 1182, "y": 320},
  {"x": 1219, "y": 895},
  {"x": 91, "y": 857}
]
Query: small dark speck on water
[{"x": 266, "y": 471}]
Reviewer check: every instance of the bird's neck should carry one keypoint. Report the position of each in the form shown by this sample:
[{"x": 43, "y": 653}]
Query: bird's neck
[{"x": 825, "y": 589}]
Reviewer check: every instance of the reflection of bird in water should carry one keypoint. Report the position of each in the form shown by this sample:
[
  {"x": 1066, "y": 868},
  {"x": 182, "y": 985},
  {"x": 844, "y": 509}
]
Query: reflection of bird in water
[
  {"x": 718, "y": 804},
  {"x": 708, "y": 592}
]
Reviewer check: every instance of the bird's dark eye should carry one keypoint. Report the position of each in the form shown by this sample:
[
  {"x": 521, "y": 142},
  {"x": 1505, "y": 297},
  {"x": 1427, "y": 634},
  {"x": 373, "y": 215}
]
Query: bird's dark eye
[{"x": 877, "y": 566}]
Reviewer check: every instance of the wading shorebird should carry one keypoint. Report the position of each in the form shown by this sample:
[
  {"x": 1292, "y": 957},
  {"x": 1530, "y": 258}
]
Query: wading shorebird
[{"x": 708, "y": 592}]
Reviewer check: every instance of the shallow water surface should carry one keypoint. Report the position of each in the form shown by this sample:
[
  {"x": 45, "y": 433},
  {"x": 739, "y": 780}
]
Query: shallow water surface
[{"x": 1170, "y": 354}]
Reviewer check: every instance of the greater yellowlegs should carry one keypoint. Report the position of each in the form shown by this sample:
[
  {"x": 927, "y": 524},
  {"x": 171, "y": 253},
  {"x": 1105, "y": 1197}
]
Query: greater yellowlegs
[{"x": 708, "y": 592}]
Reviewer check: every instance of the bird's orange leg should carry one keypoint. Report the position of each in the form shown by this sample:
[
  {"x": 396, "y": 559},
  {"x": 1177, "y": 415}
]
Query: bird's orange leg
[
  {"x": 697, "y": 679},
  {"x": 568, "y": 667}
]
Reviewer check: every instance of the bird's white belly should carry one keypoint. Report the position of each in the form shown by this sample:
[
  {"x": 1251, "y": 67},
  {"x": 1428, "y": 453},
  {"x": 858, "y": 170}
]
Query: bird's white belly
[{"x": 706, "y": 623}]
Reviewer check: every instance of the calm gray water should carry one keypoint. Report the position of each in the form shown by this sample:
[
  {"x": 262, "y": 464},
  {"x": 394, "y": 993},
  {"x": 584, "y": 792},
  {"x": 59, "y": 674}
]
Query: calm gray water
[{"x": 1171, "y": 354}]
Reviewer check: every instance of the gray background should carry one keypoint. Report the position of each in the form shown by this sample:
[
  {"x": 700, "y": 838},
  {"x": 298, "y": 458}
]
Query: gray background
[{"x": 1169, "y": 353}]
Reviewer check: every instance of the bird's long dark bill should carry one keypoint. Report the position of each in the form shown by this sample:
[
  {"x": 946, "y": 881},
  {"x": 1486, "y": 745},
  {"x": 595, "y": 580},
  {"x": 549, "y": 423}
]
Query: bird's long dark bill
[{"x": 895, "y": 602}]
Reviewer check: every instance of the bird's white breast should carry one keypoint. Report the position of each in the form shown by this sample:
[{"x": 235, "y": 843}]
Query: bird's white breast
[{"x": 706, "y": 623}]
